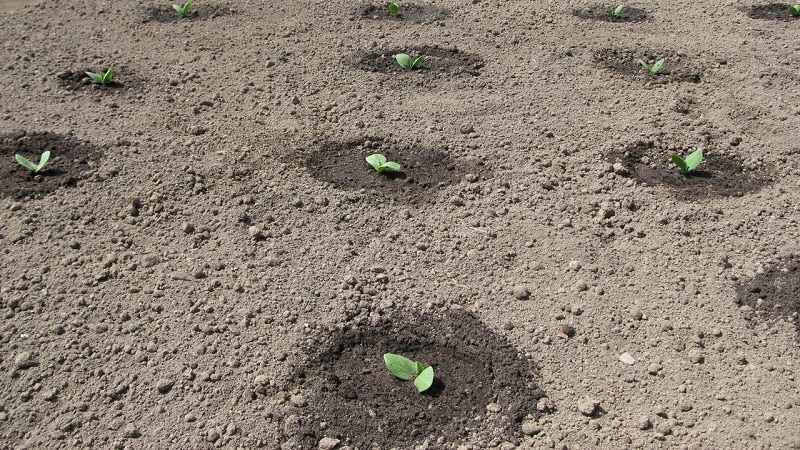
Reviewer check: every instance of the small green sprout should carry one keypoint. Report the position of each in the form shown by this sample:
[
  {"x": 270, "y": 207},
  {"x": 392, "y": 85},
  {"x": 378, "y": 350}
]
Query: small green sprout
[
  {"x": 794, "y": 10},
  {"x": 394, "y": 8},
  {"x": 35, "y": 168},
  {"x": 101, "y": 78},
  {"x": 182, "y": 10},
  {"x": 690, "y": 163},
  {"x": 407, "y": 62},
  {"x": 406, "y": 369},
  {"x": 652, "y": 70},
  {"x": 380, "y": 163},
  {"x": 613, "y": 11}
]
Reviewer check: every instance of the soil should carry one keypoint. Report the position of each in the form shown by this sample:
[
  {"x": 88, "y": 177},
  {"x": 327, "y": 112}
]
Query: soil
[{"x": 208, "y": 262}]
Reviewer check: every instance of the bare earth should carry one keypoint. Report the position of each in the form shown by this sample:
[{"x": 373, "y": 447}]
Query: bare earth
[{"x": 208, "y": 261}]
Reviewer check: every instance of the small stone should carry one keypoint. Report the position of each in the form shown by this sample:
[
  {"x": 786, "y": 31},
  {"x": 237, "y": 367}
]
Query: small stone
[
  {"x": 466, "y": 128},
  {"x": 328, "y": 443},
  {"x": 187, "y": 228},
  {"x": 697, "y": 358},
  {"x": 212, "y": 435},
  {"x": 769, "y": 418},
  {"x": 636, "y": 314},
  {"x": 568, "y": 330},
  {"x": 164, "y": 385},
  {"x": 457, "y": 201},
  {"x": 493, "y": 408},
  {"x": 131, "y": 431},
  {"x": 24, "y": 360},
  {"x": 50, "y": 395},
  {"x": 298, "y": 400},
  {"x": 665, "y": 428},
  {"x": 189, "y": 418},
  {"x": 530, "y": 428},
  {"x": 627, "y": 358},
  {"x": 654, "y": 368},
  {"x": 520, "y": 293},
  {"x": 149, "y": 260},
  {"x": 644, "y": 423},
  {"x": 588, "y": 406}
]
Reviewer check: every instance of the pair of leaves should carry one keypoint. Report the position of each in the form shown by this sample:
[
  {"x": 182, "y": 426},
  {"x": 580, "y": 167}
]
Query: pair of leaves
[
  {"x": 406, "y": 369},
  {"x": 690, "y": 163},
  {"x": 35, "y": 168},
  {"x": 794, "y": 10},
  {"x": 394, "y": 8},
  {"x": 407, "y": 62},
  {"x": 380, "y": 163},
  {"x": 182, "y": 10},
  {"x": 613, "y": 11},
  {"x": 101, "y": 78},
  {"x": 654, "y": 68}
]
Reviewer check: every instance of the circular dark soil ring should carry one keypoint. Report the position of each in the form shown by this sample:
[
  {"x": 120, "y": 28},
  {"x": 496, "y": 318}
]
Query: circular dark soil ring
[
  {"x": 411, "y": 12},
  {"x": 75, "y": 80},
  {"x": 772, "y": 294},
  {"x": 348, "y": 387},
  {"x": 678, "y": 67},
  {"x": 423, "y": 172},
  {"x": 169, "y": 15},
  {"x": 771, "y": 11},
  {"x": 717, "y": 176},
  {"x": 70, "y": 161},
  {"x": 452, "y": 62},
  {"x": 629, "y": 14}
]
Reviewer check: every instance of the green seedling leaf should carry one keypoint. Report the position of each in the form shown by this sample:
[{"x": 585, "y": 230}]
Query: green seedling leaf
[
  {"x": 182, "y": 10},
  {"x": 613, "y": 11},
  {"x": 654, "y": 68},
  {"x": 35, "y": 168},
  {"x": 690, "y": 163},
  {"x": 380, "y": 163},
  {"x": 400, "y": 366},
  {"x": 407, "y": 62},
  {"x": 394, "y": 8},
  {"x": 101, "y": 78},
  {"x": 424, "y": 380},
  {"x": 794, "y": 10}
]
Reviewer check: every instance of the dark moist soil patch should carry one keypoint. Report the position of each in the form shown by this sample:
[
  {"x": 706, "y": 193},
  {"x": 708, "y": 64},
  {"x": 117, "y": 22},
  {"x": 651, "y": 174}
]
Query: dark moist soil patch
[
  {"x": 717, "y": 176},
  {"x": 771, "y": 11},
  {"x": 69, "y": 162},
  {"x": 452, "y": 62},
  {"x": 411, "y": 12},
  {"x": 348, "y": 387},
  {"x": 678, "y": 67},
  {"x": 74, "y": 80},
  {"x": 773, "y": 294},
  {"x": 424, "y": 171},
  {"x": 629, "y": 14},
  {"x": 166, "y": 14}
]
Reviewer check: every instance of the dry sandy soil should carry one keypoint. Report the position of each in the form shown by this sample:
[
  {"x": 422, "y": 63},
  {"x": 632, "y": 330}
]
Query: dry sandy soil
[{"x": 208, "y": 262}]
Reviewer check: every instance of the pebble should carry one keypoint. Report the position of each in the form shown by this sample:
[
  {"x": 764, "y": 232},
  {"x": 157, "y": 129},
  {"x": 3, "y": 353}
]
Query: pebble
[
  {"x": 298, "y": 400},
  {"x": 697, "y": 358},
  {"x": 520, "y": 292},
  {"x": 588, "y": 406},
  {"x": 131, "y": 431},
  {"x": 644, "y": 423},
  {"x": 164, "y": 385},
  {"x": 568, "y": 330},
  {"x": 149, "y": 260},
  {"x": 627, "y": 358},
  {"x": 328, "y": 443},
  {"x": 24, "y": 360},
  {"x": 531, "y": 428},
  {"x": 493, "y": 408},
  {"x": 654, "y": 368}
]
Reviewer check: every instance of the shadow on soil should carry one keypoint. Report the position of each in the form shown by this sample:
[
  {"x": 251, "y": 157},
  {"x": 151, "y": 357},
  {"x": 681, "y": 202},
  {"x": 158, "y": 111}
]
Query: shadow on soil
[
  {"x": 409, "y": 12},
  {"x": 678, "y": 67},
  {"x": 772, "y": 294},
  {"x": 349, "y": 389},
  {"x": 423, "y": 172},
  {"x": 69, "y": 162},
  {"x": 717, "y": 176},
  {"x": 629, "y": 14},
  {"x": 771, "y": 11},
  {"x": 438, "y": 61}
]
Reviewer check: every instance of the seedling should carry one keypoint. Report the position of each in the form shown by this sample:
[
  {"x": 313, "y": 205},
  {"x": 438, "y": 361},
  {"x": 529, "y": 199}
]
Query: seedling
[
  {"x": 690, "y": 163},
  {"x": 613, "y": 11},
  {"x": 35, "y": 168},
  {"x": 394, "y": 8},
  {"x": 407, "y": 62},
  {"x": 101, "y": 78},
  {"x": 794, "y": 10},
  {"x": 406, "y": 369},
  {"x": 652, "y": 69},
  {"x": 182, "y": 10},
  {"x": 380, "y": 163}
]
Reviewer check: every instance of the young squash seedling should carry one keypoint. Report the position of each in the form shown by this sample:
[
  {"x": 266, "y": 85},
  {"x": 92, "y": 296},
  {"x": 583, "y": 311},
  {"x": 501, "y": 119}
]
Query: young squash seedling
[
  {"x": 406, "y": 369},
  {"x": 380, "y": 163},
  {"x": 652, "y": 69},
  {"x": 407, "y": 62},
  {"x": 690, "y": 163},
  {"x": 101, "y": 78},
  {"x": 35, "y": 168},
  {"x": 182, "y": 10},
  {"x": 794, "y": 10},
  {"x": 613, "y": 11},
  {"x": 394, "y": 8}
]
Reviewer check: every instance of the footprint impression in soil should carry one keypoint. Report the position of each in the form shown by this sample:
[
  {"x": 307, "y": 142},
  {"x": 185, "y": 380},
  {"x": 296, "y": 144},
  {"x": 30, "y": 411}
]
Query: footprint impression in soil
[
  {"x": 70, "y": 159},
  {"x": 772, "y": 11},
  {"x": 347, "y": 385},
  {"x": 629, "y": 14},
  {"x": 772, "y": 294},
  {"x": 423, "y": 170},
  {"x": 717, "y": 176},
  {"x": 412, "y": 12},
  {"x": 452, "y": 62},
  {"x": 677, "y": 67}
]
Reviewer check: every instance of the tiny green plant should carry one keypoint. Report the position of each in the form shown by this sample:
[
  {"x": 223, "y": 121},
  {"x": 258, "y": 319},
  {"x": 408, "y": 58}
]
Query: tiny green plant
[
  {"x": 613, "y": 11},
  {"x": 394, "y": 8},
  {"x": 794, "y": 10},
  {"x": 407, "y": 62},
  {"x": 654, "y": 68},
  {"x": 690, "y": 163},
  {"x": 380, "y": 163},
  {"x": 406, "y": 369},
  {"x": 182, "y": 10},
  {"x": 35, "y": 168},
  {"x": 101, "y": 78}
]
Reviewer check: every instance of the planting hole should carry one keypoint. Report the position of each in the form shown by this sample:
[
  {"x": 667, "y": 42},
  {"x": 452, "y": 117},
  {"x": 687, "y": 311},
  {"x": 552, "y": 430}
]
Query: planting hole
[
  {"x": 411, "y": 12},
  {"x": 677, "y": 67},
  {"x": 628, "y": 14},
  {"x": 437, "y": 61},
  {"x": 772, "y": 294}
]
